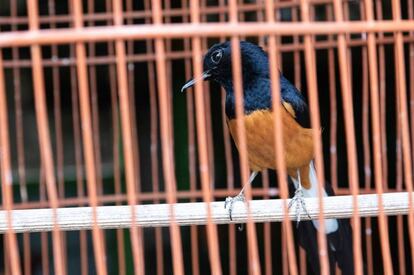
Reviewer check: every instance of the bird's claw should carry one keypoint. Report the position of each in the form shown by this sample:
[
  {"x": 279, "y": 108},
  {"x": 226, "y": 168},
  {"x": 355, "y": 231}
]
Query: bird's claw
[
  {"x": 300, "y": 205},
  {"x": 231, "y": 200}
]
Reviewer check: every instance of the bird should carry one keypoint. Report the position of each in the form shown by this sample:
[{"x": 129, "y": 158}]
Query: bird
[{"x": 297, "y": 138}]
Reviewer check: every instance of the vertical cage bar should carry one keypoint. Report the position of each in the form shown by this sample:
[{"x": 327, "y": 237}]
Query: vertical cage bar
[
  {"x": 192, "y": 158},
  {"x": 127, "y": 135},
  {"x": 116, "y": 136},
  {"x": 278, "y": 140},
  {"x": 383, "y": 226},
  {"x": 58, "y": 127},
  {"x": 207, "y": 104},
  {"x": 6, "y": 257},
  {"x": 120, "y": 236},
  {"x": 229, "y": 183},
  {"x": 166, "y": 140},
  {"x": 195, "y": 264},
  {"x": 44, "y": 137},
  {"x": 333, "y": 111},
  {"x": 57, "y": 114},
  {"x": 83, "y": 238},
  {"x": 135, "y": 140},
  {"x": 279, "y": 63},
  {"x": 267, "y": 230},
  {"x": 298, "y": 85},
  {"x": 399, "y": 187},
  {"x": 253, "y": 253},
  {"x": 265, "y": 180},
  {"x": 44, "y": 235},
  {"x": 383, "y": 96},
  {"x": 365, "y": 136},
  {"x": 212, "y": 236},
  {"x": 367, "y": 156},
  {"x": 232, "y": 257},
  {"x": 350, "y": 137},
  {"x": 7, "y": 177},
  {"x": 411, "y": 69},
  {"x": 131, "y": 88},
  {"x": 116, "y": 139},
  {"x": 83, "y": 247},
  {"x": 154, "y": 144},
  {"x": 19, "y": 123},
  {"x": 20, "y": 142},
  {"x": 310, "y": 63},
  {"x": 164, "y": 19},
  {"x": 94, "y": 106},
  {"x": 403, "y": 119},
  {"x": 88, "y": 141}
]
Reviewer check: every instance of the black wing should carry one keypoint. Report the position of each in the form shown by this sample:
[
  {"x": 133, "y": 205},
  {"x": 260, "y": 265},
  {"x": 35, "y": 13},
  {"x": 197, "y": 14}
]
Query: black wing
[{"x": 291, "y": 96}]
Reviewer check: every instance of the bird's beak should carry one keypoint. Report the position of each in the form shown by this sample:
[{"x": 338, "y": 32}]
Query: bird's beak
[{"x": 193, "y": 81}]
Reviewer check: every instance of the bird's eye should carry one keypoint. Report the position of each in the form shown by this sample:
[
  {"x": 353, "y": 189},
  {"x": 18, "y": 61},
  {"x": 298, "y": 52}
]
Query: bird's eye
[{"x": 216, "y": 56}]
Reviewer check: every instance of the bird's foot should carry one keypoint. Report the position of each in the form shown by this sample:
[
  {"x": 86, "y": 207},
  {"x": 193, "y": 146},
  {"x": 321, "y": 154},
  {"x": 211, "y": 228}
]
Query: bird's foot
[
  {"x": 299, "y": 200},
  {"x": 231, "y": 200}
]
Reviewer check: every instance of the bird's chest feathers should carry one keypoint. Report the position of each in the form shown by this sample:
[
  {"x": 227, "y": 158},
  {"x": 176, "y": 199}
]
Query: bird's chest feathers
[
  {"x": 259, "y": 128},
  {"x": 256, "y": 96}
]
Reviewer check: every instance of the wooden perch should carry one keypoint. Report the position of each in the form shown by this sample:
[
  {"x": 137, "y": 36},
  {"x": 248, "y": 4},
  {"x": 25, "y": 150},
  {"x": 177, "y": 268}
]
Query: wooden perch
[{"x": 152, "y": 215}]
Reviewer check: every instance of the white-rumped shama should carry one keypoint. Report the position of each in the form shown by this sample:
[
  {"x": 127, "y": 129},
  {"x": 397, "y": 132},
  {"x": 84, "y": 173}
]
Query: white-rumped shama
[{"x": 297, "y": 138}]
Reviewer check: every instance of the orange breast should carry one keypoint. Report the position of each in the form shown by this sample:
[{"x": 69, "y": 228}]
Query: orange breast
[{"x": 298, "y": 142}]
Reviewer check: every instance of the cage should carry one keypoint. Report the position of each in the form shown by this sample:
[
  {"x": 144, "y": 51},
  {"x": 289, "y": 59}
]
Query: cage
[{"x": 107, "y": 168}]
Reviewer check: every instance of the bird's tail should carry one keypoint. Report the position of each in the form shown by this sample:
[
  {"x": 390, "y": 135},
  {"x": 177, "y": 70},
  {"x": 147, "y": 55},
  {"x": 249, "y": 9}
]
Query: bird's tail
[{"x": 338, "y": 232}]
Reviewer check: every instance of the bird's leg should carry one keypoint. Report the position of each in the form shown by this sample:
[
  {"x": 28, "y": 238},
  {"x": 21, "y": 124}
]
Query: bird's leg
[
  {"x": 299, "y": 201},
  {"x": 240, "y": 197}
]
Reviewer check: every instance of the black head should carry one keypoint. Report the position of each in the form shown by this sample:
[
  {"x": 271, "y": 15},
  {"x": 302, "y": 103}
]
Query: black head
[{"x": 217, "y": 64}]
